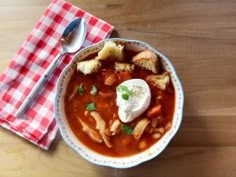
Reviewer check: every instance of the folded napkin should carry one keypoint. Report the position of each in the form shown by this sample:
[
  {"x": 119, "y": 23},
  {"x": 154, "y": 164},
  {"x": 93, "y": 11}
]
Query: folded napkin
[{"x": 34, "y": 56}]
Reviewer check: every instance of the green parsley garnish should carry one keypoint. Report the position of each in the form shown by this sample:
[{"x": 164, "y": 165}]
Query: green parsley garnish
[
  {"x": 80, "y": 89},
  {"x": 90, "y": 106},
  {"x": 94, "y": 90},
  {"x": 125, "y": 96},
  {"x": 127, "y": 129},
  {"x": 125, "y": 91}
]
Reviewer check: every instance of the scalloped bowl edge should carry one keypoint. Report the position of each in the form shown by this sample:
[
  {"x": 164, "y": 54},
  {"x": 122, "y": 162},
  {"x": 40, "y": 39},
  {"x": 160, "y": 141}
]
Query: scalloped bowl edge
[{"x": 117, "y": 162}]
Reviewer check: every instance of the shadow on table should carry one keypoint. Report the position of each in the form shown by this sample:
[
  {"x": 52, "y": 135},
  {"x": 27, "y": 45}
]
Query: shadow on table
[
  {"x": 55, "y": 143},
  {"x": 173, "y": 162},
  {"x": 115, "y": 34}
]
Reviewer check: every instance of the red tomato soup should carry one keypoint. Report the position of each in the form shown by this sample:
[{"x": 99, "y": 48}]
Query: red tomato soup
[{"x": 96, "y": 92}]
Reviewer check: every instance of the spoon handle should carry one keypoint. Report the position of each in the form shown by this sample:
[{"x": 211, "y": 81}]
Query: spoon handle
[{"x": 25, "y": 104}]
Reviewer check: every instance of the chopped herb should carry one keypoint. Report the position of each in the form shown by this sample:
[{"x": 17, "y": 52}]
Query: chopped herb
[
  {"x": 125, "y": 91},
  {"x": 94, "y": 90},
  {"x": 80, "y": 89},
  {"x": 125, "y": 96},
  {"x": 90, "y": 106},
  {"x": 127, "y": 129}
]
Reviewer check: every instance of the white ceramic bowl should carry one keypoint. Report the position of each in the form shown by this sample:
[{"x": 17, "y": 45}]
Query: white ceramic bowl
[{"x": 99, "y": 159}]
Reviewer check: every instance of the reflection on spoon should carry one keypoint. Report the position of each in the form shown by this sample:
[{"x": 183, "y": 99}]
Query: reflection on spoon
[{"x": 71, "y": 41}]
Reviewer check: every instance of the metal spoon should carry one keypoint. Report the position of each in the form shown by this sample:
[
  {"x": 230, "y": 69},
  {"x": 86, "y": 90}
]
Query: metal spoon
[{"x": 71, "y": 41}]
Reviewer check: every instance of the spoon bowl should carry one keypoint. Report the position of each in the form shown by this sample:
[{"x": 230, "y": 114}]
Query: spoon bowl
[
  {"x": 71, "y": 41},
  {"x": 73, "y": 35}
]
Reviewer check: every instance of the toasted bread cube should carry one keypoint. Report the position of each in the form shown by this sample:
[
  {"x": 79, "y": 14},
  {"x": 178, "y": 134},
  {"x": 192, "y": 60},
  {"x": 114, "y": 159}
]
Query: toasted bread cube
[
  {"x": 147, "y": 60},
  {"x": 161, "y": 80},
  {"x": 111, "y": 49},
  {"x": 88, "y": 66},
  {"x": 124, "y": 67}
]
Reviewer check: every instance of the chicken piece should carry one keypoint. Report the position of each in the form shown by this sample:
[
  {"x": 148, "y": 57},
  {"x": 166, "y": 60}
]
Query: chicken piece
[
  {"x": 147, "y": 60},
  {"x": 115, "y": 126},
  {"x": 124, "y": 67},
  {"x": 140, "y": 127},
  {"x": 73, "y": 93},
  {"x": 111, "y": 49},
  {"x": 100, "y": 123},
  {"x": 161, "y": 81},
  {"x": 89, "y": 66},
  {"x": 106, "y": 139},
  {"x": 90, "y": 132}
]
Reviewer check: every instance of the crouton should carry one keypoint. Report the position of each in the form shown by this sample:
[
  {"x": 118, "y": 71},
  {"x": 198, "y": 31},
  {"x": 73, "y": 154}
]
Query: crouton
[
  {"x": 88, "y": 66},
  {"x": 124, "y": 67},
  {"x": 111, "y": 50},
  {"x": 161, "y": 80},
  {"x": 147, "y": 60}
]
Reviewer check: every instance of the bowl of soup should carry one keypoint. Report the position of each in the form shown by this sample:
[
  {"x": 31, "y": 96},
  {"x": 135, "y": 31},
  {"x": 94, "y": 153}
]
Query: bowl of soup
[{"x": 119, "y": 103}]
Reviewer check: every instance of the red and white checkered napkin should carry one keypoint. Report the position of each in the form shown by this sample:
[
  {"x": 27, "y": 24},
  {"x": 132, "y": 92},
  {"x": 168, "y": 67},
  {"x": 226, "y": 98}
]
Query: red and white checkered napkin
[{"x": 39, "y": 49}]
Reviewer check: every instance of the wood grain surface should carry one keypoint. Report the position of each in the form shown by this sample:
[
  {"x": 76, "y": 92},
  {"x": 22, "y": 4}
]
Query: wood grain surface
[{"x": 199, "y": 36}]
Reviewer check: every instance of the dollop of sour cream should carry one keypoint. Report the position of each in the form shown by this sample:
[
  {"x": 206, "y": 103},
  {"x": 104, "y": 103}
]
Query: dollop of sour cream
[{"x": 133, "y": 98}]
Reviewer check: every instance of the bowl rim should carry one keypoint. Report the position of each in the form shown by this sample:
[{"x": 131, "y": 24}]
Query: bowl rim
[{"x": 133, "y": 160}]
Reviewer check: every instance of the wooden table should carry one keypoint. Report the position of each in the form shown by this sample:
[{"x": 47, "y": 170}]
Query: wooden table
[{"x": 200, "y": 39}]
